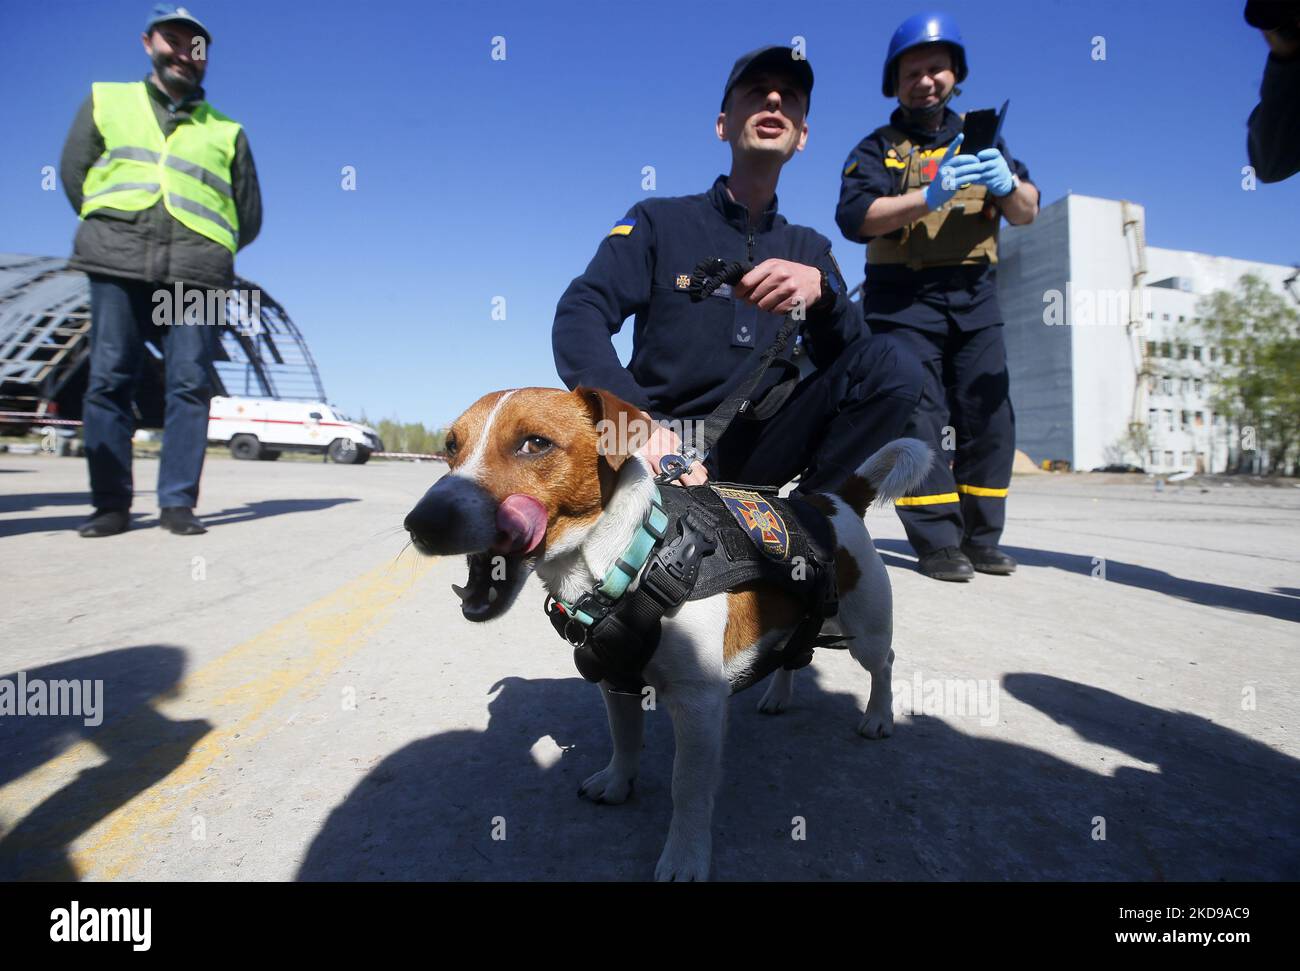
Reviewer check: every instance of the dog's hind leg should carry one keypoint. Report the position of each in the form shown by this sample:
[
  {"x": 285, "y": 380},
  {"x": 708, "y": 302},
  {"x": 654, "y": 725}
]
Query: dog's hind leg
[
  {"x": 777, "y": 697},
  {"x": 878, "y": 720},
  {"x": 699, "y": 723},
  {"x": 866, "y": 612},
  {"x": 612, "y": 784}
]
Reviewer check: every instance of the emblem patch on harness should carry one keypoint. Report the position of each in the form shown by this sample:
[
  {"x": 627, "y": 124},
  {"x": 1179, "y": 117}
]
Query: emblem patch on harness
[{"x": 759, "y": 519}]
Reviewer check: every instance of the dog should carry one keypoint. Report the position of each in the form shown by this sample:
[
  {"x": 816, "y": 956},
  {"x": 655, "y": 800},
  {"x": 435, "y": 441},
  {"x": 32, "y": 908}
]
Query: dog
[{"x": 532, "y": 485}]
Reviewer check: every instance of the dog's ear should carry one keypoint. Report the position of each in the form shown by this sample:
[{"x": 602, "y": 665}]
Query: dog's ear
[{"x": 621, "y": 428}]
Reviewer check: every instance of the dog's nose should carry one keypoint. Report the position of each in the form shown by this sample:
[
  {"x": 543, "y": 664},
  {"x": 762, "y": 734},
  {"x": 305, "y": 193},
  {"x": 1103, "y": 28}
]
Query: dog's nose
[
  {"x": 454, "y": 516},
  {"x": 427, "y": 519}
]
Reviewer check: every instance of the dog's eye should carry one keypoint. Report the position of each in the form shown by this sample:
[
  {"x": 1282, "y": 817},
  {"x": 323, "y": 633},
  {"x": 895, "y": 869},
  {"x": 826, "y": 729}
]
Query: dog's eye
[
  {"x": 534, "y": 445},
  {"x": 451, "y": 445}
]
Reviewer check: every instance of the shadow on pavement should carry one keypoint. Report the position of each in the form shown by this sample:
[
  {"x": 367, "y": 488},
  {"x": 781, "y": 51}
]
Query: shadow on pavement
[
  {"x": 269, "y": 507},
  {"x": 140, "y": 747},
  {"x": 1276, "y": 605},
  {"x": 225, "y": 517},
  {"x": 27, "y": 501},
  {"x": 932, "y": 803}
]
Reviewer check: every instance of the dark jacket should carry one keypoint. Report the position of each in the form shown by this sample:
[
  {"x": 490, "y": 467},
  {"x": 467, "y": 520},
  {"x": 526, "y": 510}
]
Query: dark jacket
[
  {"x": 932, "y": 297},
  {"x": 149, "y": 244},
  {"x": 686, "y": 357},
  {"x": 1274, "y": 127}
]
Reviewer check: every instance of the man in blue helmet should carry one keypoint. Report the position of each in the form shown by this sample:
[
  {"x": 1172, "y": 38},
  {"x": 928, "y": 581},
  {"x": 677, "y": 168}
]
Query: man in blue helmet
[{"x": 930, "y": 217}]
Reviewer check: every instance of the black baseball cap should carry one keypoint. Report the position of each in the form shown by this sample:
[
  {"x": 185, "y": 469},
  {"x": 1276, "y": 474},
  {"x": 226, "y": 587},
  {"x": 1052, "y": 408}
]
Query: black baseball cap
[
  {"x": 778, "y": 59},
  {"x": 1271, "y": 14}
]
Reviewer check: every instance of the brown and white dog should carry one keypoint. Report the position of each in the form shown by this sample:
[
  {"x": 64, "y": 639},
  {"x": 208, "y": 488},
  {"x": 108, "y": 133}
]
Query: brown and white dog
[{"x": 533, "y": 484}]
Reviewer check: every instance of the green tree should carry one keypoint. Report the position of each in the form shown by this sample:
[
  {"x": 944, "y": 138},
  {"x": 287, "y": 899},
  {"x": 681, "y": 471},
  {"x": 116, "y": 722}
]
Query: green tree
[
  {"x": 410, "y": 437},
  {"x": 1256, "y": 373}
]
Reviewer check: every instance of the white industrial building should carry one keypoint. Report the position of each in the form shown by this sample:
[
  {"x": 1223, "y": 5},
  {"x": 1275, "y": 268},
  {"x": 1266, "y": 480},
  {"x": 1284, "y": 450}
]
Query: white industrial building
[{"x": 1104, "y": 368}]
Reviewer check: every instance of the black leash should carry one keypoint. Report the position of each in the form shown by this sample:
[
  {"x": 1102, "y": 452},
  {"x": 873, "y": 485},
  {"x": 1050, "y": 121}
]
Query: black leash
[{"x": 705, "y": 279}]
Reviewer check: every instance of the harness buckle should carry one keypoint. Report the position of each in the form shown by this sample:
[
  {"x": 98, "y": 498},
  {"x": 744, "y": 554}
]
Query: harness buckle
[
  {"x": 565, "y": 623},
  {"x": 572, "y": 623},
  {"x": 676, "y": 464}
]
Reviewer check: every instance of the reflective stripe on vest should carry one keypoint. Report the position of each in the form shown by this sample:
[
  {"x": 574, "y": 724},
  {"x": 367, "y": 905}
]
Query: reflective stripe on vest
[
  {"x": 190, "y": 170},
  {"x": 955, "y": 233}
]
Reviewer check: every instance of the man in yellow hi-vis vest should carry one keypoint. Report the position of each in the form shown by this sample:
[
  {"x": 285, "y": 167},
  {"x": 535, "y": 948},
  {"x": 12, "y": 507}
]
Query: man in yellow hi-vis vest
[{"x": 166, "y": 190}]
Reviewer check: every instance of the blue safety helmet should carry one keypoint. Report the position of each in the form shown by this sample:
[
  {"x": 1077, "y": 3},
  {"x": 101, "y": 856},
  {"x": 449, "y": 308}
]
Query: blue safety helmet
[{"x": 923, "y": 28}]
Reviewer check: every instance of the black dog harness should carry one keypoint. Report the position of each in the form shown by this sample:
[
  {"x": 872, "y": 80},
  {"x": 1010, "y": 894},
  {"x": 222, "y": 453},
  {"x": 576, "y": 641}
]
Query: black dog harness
[{"x": 700, "y": 541}]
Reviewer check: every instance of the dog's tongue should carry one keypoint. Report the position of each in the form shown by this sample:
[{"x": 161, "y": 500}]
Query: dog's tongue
[{"x": 521, "y": 521}]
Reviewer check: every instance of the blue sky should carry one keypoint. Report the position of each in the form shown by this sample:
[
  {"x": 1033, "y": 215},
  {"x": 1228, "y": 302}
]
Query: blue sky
[{"x": 479, "y": 178}]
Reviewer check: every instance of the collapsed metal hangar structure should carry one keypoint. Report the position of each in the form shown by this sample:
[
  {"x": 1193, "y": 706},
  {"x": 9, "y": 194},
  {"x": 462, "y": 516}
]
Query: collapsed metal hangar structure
[{"x": 45, "y": 347}]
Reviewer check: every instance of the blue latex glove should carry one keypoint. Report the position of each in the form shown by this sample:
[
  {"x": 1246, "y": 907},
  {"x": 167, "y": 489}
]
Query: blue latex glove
[
  {"x": 941, "y": 189},
  {"x": 988, "y": 169}
]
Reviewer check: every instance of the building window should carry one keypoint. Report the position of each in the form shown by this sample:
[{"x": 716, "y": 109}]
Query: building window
[
  {"x": 1200, "y": 419},
  {"x": 1227, "y": 355},
  {"x": 1169, "y": 419},
  {"x": 1155, "y": 457},
  {"x": 1153, "y": 417},
  {"x": 1181, "y": 318},
  {"x": 1198, "y": 386},
  {"x": 1169, "y": 458},
  {"x": 1196, "y": 353},
  {"x": 1164, "y": 349},
  {"x": 1150, "y": 315},
  {"x": 1167, "y": 385},
  {"x": 1184, "y": 419},
  {"x": 1214, "y": 354},
  {"x": 1164, "y": 316},
  {"x": 1182, "y": 352},
  {"x": 1151, "y": 348}
]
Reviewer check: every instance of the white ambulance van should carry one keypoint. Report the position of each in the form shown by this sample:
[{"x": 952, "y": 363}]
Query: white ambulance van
[{"x": 262, "y": 428}]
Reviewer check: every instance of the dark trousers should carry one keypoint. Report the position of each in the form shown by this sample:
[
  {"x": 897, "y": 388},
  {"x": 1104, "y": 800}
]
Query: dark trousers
[
  {"x": 965, "y": 415},
  {"x": 832, "y": 423},
  {"x": 122, "y": 314}
]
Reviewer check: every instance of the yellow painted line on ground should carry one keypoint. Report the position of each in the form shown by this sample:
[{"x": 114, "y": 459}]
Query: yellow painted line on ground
[{"x": 117, "y": 824}]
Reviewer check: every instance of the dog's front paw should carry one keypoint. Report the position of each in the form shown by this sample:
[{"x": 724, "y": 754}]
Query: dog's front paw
[
  {"x": 780, "y": 690},
  {"x": 607, "y": 787},
  {"x": 876, "y": 724},
  {"x": 776, "y": 698},
  {"x": 684, "y": 860}
]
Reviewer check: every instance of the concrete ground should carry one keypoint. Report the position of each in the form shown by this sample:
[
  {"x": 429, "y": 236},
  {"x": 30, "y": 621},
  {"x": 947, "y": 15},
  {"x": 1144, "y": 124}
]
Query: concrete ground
[{"x": 293, "y": 697}]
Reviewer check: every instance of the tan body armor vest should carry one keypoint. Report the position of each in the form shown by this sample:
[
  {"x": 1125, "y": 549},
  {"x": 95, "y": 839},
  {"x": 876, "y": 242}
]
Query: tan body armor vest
[{"x": 962, "y": 231}]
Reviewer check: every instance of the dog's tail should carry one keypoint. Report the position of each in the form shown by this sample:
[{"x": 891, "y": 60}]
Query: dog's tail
[{"x": 888, "y": 474}]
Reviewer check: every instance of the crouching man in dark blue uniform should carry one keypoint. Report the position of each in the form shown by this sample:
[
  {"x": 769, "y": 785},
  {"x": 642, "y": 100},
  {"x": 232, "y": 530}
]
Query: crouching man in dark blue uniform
[
  {"x": 930, "y": 218},
  {"x": 687, "y": 356}
]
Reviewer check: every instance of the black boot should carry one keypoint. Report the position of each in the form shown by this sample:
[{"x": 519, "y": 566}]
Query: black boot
[
  {"x": 948, "y": 563},
  {"x": 181, "y": 521},
  {"x": 989, "y": 559},
  {"x": 105, "y": 522}
]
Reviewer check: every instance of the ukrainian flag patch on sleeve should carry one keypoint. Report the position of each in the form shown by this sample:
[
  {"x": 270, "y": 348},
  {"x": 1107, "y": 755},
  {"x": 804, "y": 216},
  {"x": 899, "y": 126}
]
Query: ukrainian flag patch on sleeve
[{"x": 623, "y": 227}]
